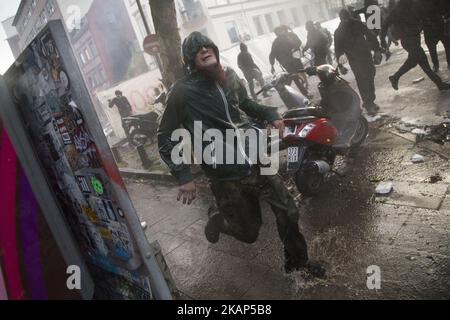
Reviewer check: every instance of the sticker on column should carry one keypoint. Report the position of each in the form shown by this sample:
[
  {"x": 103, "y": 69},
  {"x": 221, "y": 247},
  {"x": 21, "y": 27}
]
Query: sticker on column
[
  {"x": 84, "y": 186},
  {"x": 97, "y": 185},
  {"x": 123, "y": 247},
  {"x": 98, "y": 206},
  {"x": 110, "y": 210}
]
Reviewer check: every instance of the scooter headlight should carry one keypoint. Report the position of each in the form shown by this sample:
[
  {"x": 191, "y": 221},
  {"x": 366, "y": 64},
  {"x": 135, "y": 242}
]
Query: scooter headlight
[{"x": 306, "y": 130}]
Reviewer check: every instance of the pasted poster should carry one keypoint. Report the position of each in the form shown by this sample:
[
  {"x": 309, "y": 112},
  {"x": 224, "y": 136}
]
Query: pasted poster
[{"x": 42, "y": 89}]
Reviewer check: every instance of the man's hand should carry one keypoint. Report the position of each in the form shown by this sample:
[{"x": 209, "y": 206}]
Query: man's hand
[
  {"x": 279, "y": 124},
  {"x": 187, "y": 193}
]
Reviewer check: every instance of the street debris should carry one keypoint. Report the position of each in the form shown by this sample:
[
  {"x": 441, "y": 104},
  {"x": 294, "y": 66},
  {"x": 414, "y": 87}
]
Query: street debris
[
  {"x": 419, "y": 131},
  {"x": 384, "y": 188},
  {"x": 435, "y": 178},
  {"x": 417, "y": 158},
  {"x": 144, "y": 225}
]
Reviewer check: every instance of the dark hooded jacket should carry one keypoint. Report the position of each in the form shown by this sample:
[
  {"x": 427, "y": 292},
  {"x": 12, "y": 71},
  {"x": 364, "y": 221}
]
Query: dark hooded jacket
[
  {"x": 199, "y": 98},
  {"x": 245, "y": 60},
  {"x": 406, "y": 20},
  {"x": 282, "y": 49},
  {"x": 353, "y": 38}
]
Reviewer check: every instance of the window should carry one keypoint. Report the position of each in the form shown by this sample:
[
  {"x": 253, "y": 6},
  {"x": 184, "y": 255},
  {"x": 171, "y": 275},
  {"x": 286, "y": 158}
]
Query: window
[
  {"x": 258, "y": 25},
  {"x": 270, "y": 22},
  {"x": 140, "y": 23},
  {"x": 306, "y": 12},
  {"x": 83, "y": 59},
  {"x": 50, "y": 8},
  {"x": 87, "y": 54},
  {"x": 33, "y": 3},
  {"x": 92, "y": 48},
  {"x": 43, "y": 17},
  {"x": 282, "y": 17},
  {"x": 232, "y": 32},
  {"x": 296, "y": 17}
]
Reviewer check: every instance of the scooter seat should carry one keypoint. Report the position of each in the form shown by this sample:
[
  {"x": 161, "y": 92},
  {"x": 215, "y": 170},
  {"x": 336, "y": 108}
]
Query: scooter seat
[{"x": 303, "y": 112}]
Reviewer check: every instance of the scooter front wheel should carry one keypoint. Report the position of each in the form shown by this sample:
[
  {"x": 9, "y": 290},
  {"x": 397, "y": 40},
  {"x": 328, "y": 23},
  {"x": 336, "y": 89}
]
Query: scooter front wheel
[
  {"x": 309, "y": 183},
  {"x": 362, "y": 131}
]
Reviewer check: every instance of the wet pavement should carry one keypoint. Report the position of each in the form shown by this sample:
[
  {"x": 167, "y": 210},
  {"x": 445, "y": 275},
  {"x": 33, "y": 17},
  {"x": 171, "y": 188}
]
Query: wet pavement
[{"x": 406, "y": 234}]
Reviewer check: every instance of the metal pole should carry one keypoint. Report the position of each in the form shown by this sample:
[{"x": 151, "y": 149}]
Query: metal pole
[
  {"x": 141, "y": 11},
  {"x": 147, "y": 29}
]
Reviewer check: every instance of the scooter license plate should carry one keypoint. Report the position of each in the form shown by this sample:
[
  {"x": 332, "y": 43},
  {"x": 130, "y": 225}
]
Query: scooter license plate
[
  {"x": 293, "y": 154},
  {"x": 295, "y": 158}
]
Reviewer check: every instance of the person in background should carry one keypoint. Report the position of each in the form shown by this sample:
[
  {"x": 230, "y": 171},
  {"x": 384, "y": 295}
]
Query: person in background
[
  {"x": 407, "y": 21},
  {"x": 286, "y": 50},
  {"x": 357, "y": 42},
  {"x": 316, "y": 41},
  {"x": 250, "y": 70},
  {"x": 124, "y": 107},
  {"x": 434, "y": 31},
  {"x": 330, "y": 40}
]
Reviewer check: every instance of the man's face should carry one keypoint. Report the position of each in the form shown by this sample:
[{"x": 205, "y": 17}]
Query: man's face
[{"x": 205, "y": 58}]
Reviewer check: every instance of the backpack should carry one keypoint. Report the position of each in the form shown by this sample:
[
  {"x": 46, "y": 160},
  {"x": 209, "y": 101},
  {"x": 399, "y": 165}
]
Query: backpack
[{"x": 294, "y": 40}]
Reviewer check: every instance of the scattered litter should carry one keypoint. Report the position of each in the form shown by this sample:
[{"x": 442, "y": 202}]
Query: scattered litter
[
  {"x": 418, "y": 80},
  {"x": 412, "y": 258},
  {"x": 430, "y": 271},
  {"x": 419, "y": 131},
  {"x": 403, "y": 128},
  {"x": 417, "y": 158},
  {"x": 384, "y": 188},
  {"x": 144, "y": 225},
  {"x": 435, "y": 178},
  {"x": 440, "y": 133},
  {"x": 410, "y": 122}
]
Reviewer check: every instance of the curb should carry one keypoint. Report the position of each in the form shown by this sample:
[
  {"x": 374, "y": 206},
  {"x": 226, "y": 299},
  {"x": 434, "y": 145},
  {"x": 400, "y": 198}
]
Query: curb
[
  {"x": 411, "y": 138},
  {"x": 150, "y": 175}
]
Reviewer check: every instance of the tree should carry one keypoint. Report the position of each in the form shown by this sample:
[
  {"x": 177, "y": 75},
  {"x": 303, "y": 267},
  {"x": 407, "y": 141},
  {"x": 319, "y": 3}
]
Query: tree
[{"x": 165, "y": 20}]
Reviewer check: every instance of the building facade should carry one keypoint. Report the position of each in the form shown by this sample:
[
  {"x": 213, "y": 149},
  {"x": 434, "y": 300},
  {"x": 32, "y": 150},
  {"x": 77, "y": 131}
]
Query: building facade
[
  {"x": 32, "y": 16},
  {"x": 228, "y": 22},
  {"x": 231, "y": 21},
  {"x": 12, "y": 37},
  {"x": 106, "y": 46}
]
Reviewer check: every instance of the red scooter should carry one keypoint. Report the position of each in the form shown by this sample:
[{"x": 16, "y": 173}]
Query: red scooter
[{"x": 315, "y": 135}]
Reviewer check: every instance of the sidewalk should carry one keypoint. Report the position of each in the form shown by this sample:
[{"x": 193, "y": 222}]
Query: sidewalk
[{"x": 406, "y": 234}]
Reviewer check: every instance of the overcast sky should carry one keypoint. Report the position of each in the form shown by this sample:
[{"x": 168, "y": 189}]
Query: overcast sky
[{"x": 7, "y": 9}]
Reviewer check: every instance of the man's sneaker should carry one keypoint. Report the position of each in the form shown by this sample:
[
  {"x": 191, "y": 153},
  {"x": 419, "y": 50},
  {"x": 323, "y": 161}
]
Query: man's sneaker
[
  {"x": 372, "y": 109},
  {"x": 444, "y": 86},
  {"x": 314, "y": 268},
  {"x": 394, "y": 82},
  {"x": 214, "y": 225}
]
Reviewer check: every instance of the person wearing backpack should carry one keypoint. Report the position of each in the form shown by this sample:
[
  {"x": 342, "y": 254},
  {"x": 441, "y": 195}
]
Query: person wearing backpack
[
  {"x": 330, "y": 40},
  {"x": 316, "y": 41},
  {"x": 285, "y": 49}
]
